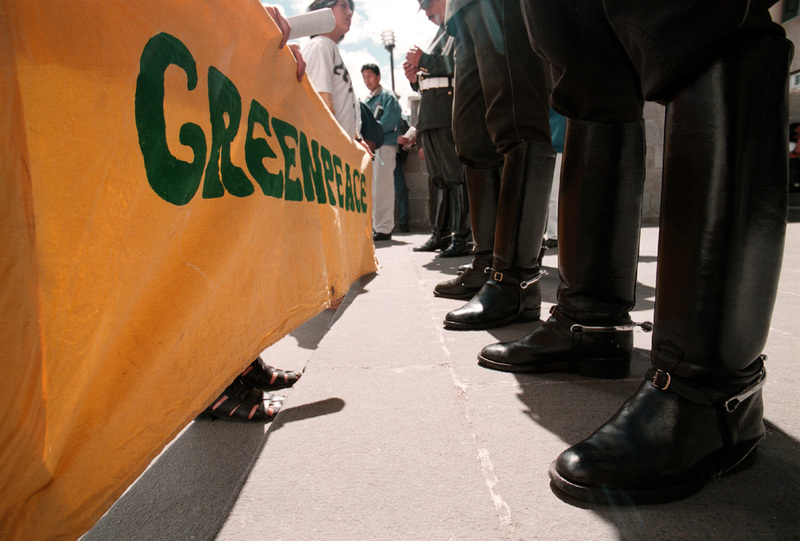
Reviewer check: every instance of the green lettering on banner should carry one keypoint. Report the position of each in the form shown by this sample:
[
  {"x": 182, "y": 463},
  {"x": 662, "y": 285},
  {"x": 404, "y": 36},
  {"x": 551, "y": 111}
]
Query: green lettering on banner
[
  {"x": 337, "y": 169},
  {"x": 312, "y": 169},
  {"x": 357, "y": 196},
  {"x": 177, "y": 181},
  {"x": 364, "y": 194},
  {"x": 349, "y": 202},
  {"x": 255, "y": 150},
  {"x": 294, "y": 189},
  {"x": 223, "y": 97},
  {"x": 172, "y": 179},
  {"x": 327, "y": 169}
]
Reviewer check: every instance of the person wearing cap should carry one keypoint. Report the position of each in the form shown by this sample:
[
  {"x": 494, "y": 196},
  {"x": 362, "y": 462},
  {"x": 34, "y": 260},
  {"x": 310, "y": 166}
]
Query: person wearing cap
[
  {"x": 431, "y": 74},
  {"x": 326, "y": 70},
  {"x": 501, "y": 127}
]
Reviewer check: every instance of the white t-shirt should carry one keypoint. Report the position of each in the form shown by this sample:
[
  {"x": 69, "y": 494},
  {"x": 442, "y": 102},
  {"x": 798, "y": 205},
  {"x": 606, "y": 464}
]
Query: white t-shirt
[{"x": 327, "y": 73}]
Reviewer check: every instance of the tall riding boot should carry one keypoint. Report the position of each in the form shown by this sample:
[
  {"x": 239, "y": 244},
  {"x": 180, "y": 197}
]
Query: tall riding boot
[
  {"x": 512, "y": 291},
  {"x": 440, "y": 237},
  {"x": 699, "y": 412},
  {"x": 459, "y": 221},
  {"x": 599, "y": 216},
  {"x": 483, "y": 189}
]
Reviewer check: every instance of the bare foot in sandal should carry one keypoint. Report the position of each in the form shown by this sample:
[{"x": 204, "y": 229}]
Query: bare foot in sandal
[
  {"x": 267, "y": 378},
  {"x": 242, "y": 403}
]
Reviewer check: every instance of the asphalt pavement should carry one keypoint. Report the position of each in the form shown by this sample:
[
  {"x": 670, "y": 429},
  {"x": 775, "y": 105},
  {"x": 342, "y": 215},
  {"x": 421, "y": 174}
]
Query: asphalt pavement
[{"x": 394, "y": 432}]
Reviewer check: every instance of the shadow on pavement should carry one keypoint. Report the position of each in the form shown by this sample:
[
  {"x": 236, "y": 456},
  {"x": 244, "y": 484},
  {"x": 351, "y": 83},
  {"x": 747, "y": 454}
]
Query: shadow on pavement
[
  {"x": 448, "y": 266},
  {"x": 311, "y": 333},
  {"x": 189, "y": 490},
  {"x": 389, "y": 243},
  {"x": 760, "y": 502}
]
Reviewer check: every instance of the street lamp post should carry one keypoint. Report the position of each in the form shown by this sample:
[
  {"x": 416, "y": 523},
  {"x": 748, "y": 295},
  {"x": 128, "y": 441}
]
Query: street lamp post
[{"x": 388, "y": 41}]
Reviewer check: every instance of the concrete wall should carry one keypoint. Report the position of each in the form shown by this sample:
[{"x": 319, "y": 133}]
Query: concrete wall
[
  {"x": 654, "y": 135},
  {"x": 792, "y": 27},
  {"x": 418, "y": 192}
]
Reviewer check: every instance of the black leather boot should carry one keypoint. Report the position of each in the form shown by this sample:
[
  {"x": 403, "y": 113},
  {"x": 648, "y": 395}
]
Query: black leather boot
[
  {"x": 562, "y": 345},
  {"x": 440, "y": 207},
  {"x": 459, "y": 222},
  {"x": 512, "y": 292},
  {"x": 699, "y": 412},
  {"x": 466, "y": 284},
  {"x": 458, "y": 247},
  {"x": 600, "y": 201},
  {"x": 483, "y": 189}
]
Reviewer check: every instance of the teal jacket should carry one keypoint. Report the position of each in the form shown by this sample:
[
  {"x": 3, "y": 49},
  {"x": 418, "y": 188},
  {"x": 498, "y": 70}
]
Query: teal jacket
[{"x": 387, "y": 111}]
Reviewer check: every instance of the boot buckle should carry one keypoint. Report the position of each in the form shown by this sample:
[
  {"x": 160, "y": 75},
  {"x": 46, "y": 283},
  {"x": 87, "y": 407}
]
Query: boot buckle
[{"x": 661, "y": 379}]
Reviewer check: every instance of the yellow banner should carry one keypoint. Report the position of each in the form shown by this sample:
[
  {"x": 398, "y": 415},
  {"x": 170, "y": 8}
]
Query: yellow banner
[{"x": 173, "y": 201}]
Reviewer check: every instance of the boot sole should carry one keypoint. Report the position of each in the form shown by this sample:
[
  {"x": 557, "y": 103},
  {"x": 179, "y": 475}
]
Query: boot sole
[
  {"x": 454, "y": 254},
  {"x": 524, "y": 317},
  {"x": 743, "y": 456},
  {"x": 460, "y": 297},
  {"x": 591, "y": 368}
]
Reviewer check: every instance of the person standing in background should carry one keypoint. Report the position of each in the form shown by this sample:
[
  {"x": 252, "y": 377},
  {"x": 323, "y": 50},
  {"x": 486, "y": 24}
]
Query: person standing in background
[
  {"x": 501, "y": 129},
  {"x": 326, "y": 69},
  {"x": 431, "y": 74},
  {"x": 384, "y": 105}
]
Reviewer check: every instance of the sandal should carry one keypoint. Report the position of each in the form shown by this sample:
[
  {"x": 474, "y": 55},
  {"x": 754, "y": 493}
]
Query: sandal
[
  {"x": 242, "y": 403},
  {"x": 267, "y": 378}
]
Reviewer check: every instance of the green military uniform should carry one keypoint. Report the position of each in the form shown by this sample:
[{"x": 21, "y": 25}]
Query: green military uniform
[{"x": 449, "y": 203}]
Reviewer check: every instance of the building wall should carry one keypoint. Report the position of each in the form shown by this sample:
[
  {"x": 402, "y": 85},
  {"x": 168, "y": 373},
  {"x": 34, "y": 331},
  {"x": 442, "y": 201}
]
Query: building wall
[
  {"x": 417, "y": 180},
  {"x": 792, "y": 28},
  {"x": 654, "y": 139},
  {"x": 418, "y": 192}
]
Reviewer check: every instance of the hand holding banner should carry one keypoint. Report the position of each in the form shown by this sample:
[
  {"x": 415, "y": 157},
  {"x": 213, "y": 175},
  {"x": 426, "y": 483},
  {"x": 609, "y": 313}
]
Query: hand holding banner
[{"x": 173, "y": 202}]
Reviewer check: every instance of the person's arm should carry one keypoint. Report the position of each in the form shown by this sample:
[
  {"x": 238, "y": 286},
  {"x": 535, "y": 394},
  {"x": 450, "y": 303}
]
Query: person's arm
[
  {"x": 437, "y": 66},
  {"x": 301, "y": 63},
  {"x": 433, "y": 65},
  {"x": 411, "y": 75},
  {"x": 391, "y": 115},
  {"x": 281, "y": 22},
  {"x": 319, "y": 68},
  {"x": 285, "y": 27}
]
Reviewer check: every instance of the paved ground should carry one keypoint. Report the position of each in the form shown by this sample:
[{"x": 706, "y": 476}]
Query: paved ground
[{"x": 394, "y": 432}]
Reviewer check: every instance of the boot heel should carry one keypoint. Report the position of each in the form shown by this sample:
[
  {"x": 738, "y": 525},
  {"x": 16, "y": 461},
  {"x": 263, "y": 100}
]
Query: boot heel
[
  {"x": 527, "y": 316},
  {"x": 741, "y": 457},
  {"x": 604, "y": 368}
]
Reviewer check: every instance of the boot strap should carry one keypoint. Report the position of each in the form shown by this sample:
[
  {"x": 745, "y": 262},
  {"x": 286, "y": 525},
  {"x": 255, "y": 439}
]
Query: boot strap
[
  {"x": 499, "y": 276},
  {"x": 577, "y": 328},
  {"x": 665, "y": 381}
]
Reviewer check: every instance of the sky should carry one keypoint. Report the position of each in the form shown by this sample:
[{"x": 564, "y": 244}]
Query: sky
[{"x": 363, "y": 45}]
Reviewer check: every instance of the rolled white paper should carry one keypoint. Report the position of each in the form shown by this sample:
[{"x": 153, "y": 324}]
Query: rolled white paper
[
  {"x": 312, "y": 23},
  {"x": 411, "y": 134}
]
